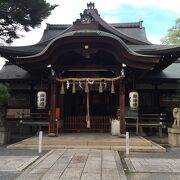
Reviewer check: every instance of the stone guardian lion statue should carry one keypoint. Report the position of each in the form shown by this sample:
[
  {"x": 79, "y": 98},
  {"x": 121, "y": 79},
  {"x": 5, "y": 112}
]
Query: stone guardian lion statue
[{"x": 176, "y": 116}]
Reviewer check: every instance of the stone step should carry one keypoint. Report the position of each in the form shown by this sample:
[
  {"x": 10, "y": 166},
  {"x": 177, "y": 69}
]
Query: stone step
[
  {"x": 116, "y": 141},
  {"x": 89, "y": 141},
  {"x": 100, "y": 143},
  {"x": 117, "y": 148}
]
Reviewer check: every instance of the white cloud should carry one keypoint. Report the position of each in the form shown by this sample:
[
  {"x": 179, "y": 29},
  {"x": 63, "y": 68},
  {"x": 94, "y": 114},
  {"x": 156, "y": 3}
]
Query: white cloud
[
  {"x": 111, "y": 19},
  {"x": 68, "y": 11},
  {"x": 2, "y": 62},
  {"x": 155, "y": 39},
  {"x": 172, "y": 5},
  {"x": 70, "y": 8},
  {"x": 32, "y": 37}
]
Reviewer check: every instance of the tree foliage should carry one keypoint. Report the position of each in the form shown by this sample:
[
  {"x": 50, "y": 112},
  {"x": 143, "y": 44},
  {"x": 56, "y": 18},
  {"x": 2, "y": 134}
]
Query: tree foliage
[
  {"x": 4, "y": 94},
  {"x": 19, "y": 15},
  {"x": 173, "y": 35}
]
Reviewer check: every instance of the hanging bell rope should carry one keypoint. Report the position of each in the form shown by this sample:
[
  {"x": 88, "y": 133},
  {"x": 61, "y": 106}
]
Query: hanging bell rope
[
  {"x": 74, "y": 87},
  {"x": 62, "y": 88},
  {"x": 86, "y": 87},
  {"x": 112, "y": 88},
  {"x": 91, "y": 79},
  {"x": 100, "y": 87}
]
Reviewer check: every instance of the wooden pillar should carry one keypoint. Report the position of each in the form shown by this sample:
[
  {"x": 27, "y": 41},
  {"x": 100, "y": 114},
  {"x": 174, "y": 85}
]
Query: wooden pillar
[
  {"x": 122, "y": 107},
  {"x": 52, "y": 107},
  {"x": 32, "y": 102},
  {"x": 156, "y": 96},
  {"x": 61, "y": 103}
]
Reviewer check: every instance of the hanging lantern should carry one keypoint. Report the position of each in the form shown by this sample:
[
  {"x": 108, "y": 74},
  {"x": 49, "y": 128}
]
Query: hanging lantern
[
  {"x": 74, "y": 87},
  {"x": 62, "y": 88},
  {"x": 134, "y": 99},
  {"x": 112, "y": 88},
  {"x": 86, "y": 87},
  {"x": 100, "y": 87},
  {"x": 41, "y": 100}
]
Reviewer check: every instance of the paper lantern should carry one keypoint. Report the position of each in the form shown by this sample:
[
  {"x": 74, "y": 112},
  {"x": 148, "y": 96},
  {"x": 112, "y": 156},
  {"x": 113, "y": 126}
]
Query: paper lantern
[
  {"x": 41, "y": 100},
  {"x": 134, "y": 99}
]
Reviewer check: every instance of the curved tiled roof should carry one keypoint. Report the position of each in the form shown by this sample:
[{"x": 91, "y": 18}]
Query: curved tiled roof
[
  {"x": 130, "y": 36},
  {"x": 131, "y": 58},
  {"x": 133, "y": 30},
  {"x": 11, "y": 71},
  {"x": 154, "y": 47},
  {"x": 86, "y": 33},
  {"x": 172, "y": 72}
]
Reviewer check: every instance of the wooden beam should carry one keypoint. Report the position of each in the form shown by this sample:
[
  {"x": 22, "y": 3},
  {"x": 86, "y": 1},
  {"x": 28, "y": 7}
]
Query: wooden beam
[{"x": 122, "y": 107}]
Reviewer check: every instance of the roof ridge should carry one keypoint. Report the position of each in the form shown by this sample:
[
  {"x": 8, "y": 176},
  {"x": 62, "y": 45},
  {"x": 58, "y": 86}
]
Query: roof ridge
[
  {"x": 57, "y": 26},
  {"x": 117, "y": 25},
  {"x": 128, "y": 24}
]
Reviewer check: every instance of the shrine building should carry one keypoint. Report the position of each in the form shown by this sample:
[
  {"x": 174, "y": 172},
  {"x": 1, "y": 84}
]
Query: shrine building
[{"x": 82, "y": 75}]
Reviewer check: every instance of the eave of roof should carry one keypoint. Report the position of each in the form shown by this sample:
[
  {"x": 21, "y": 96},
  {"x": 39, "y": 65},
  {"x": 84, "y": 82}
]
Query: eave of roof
[
  {"x": 86, "y": 33},
  {"x": 131, "y": 58},
  {"x": 172, "y": 72},
  {"x": 11, "y": 72},
  {"x": 155, "y": 49},
  {"x": 143, "y": 47}
]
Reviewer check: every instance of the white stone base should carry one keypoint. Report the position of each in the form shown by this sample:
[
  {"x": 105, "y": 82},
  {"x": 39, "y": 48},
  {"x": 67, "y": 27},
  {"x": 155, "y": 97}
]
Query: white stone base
[
  {"x": 51, "y": 134},
  {"x": 174, "y": 137},
  {"x": 4, "y": 135}
]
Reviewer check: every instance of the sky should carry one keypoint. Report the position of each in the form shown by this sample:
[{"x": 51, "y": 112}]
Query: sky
[{"x": 157, "y": 15}]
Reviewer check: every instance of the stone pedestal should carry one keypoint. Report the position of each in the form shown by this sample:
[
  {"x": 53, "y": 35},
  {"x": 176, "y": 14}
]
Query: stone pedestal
[
  {"x": 51, "y": 134},
  {"x": 174, "y": 136},
  {"x": 4, "y": 135}
]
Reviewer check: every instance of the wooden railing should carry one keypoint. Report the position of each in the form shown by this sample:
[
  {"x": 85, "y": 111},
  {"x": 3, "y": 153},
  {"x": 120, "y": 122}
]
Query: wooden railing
[
  {"x": 74, "y": 122},
  {"x": 25, "y": 117},
  {"x": 152, "y": 121},
  {"x": 97, "y": 123}
]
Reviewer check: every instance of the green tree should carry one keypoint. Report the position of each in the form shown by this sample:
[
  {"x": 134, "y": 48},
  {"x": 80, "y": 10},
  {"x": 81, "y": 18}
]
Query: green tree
[
  {"x": 4, "y": 95},
  {"x": 19, "y": 15},
  {"x": 173, "y": 35}
]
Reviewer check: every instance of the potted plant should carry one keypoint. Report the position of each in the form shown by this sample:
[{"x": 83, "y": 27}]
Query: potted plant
[{"x": 4, "y": 97}]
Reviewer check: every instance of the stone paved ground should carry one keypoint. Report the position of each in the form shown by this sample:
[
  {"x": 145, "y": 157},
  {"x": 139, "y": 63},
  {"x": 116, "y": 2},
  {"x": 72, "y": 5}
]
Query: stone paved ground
[
  {"x": 12, "y": 161},
  {"x": 87, "y": 164},
  {"x": 77, "y": 164},
  {"x": 152, "y": 166},
  {"x": 15, "y": 163}
]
